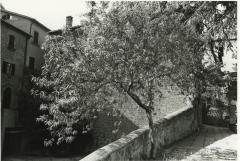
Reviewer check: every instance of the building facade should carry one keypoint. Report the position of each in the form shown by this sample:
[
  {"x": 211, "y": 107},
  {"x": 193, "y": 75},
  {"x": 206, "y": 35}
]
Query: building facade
[
  {"x": 21, "y": 40},
  {"x": 13, "y": 52},
  {"x": 34, "y": 57}
]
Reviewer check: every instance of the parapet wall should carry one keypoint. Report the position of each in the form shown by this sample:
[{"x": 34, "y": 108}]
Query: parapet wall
[{"x": 136, "y": 145}]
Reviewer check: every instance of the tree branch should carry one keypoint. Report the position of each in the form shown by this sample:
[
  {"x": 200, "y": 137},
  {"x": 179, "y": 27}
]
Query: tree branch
[
  {"x": 212, "y": 51},
  {"x": 138, "y": 101},
  {"x": 135, "y": 97}
]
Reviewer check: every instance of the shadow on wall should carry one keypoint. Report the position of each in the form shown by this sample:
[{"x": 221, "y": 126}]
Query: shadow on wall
[
  {"x": 108, "y": 128},
  {"x": 136, "y": 145}
]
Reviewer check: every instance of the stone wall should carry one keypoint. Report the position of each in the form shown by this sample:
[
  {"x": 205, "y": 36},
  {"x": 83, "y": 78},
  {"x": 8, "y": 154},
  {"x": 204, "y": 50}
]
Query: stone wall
[
  {"x": 109, "y": 128},
  {"x": 136, "y": 145}
]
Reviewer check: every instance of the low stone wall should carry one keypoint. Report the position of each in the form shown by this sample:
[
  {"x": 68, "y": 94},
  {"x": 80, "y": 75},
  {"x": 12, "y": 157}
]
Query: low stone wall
[
  {"x": 108, "y": 128},
  {"x": 136, "y": 145}
]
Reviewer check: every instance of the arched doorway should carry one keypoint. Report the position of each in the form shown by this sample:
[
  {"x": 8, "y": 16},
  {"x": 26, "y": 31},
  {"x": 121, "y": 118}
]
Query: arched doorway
[{"x": 7, "y": 96}]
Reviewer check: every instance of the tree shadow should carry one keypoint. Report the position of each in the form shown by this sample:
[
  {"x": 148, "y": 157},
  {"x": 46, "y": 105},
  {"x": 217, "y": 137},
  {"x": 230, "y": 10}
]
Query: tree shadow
[
  {"x": 206, "y": 144},
  {"x": 108, "y": 128}
]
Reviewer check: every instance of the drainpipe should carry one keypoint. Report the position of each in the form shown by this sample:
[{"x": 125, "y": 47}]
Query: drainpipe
[
  {"x": 25, "y": 52},
  {"x": 25, "y": 58},
  {"x": 30, "y": 31}
]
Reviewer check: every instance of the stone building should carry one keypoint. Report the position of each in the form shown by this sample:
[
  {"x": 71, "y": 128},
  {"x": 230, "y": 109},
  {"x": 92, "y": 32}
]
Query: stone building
[
  {"x": 21, "y": 40},
  {"x": 13, "y": 52},
  {"x": 34, "y": 57}
]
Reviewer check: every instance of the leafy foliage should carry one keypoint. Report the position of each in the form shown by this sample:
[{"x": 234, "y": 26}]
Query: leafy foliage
[
  {"x": 215, "y": 25},
  {"x": 130, "y": 48},
  {"x": 71, "y": 83}
]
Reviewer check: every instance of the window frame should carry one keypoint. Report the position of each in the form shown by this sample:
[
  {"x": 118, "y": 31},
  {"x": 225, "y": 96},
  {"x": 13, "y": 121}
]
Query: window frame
[
  {"x": 11, "y": 42},
  {"x": 31, "y": 67},
  {"x": 36, "y": 38},
  {"x": 8, "y": 68}
]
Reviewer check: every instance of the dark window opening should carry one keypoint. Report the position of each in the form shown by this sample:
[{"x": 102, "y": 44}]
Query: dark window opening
[
  {"x": 35, "y": 38},
  {"x": 7, "y": 94},
  {"x": 31, "y": 63},
  {"x": 8, "y": 68},
  {"x": 6, "y": 17},
  {"x": 11, "y": 42},
  {"x": 4, "y": 67}
]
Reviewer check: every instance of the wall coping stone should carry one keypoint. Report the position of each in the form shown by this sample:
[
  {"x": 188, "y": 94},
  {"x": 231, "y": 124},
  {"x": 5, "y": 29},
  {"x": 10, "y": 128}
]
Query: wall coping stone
[
  {"x": 105, "y": 151},
  {"x": 176, "y": 113}
]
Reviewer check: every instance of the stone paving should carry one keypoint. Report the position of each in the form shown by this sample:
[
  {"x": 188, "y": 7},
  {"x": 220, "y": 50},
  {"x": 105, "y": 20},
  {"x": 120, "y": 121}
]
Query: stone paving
[{"x": 209, "y": 144}]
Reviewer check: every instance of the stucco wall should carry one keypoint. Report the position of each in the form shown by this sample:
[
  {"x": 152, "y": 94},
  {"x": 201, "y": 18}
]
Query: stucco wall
[
  {"x": 35, "y": 50},
  {"x": 16, "y": 57},
  {"x": 9, "y": 116},
  {"x": 136, "y": 145},
  {"x": 29, "y": 26}
]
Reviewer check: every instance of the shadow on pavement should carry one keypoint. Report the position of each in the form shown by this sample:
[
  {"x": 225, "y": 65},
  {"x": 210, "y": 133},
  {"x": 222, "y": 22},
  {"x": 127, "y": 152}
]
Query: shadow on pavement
[{"x": 210, "y": 143}]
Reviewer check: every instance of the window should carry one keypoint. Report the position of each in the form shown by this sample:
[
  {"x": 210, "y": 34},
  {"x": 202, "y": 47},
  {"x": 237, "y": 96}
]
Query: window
[
  {"x": 7, "y": 94},
  {"x": 6, "y": 17},
  {"x": 35, "y": 38},
  {"x": 11, "y": 42},
  {"x": 8, "y": 68},
  {"x": 31, "y": 63}
]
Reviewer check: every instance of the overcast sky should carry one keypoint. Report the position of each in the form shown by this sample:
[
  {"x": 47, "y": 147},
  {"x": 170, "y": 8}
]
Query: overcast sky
[{"x": 51, "y": 13}]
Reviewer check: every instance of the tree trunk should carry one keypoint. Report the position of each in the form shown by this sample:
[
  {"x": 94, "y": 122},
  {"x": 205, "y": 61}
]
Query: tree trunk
[
  {"x": 197, "y": 106},
  {"x": 150, "y": 123},
  {"x": 211, "y": 45},
  {"x": 148, "y": 108}
]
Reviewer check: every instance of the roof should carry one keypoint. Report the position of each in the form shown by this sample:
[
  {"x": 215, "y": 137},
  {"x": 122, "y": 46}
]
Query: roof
[
  {"x": 1, "y": 6},
  {"x": 30, "y": 18},
  {"x": 15, "y": 28},
  {"x": 59, "y": 31}
]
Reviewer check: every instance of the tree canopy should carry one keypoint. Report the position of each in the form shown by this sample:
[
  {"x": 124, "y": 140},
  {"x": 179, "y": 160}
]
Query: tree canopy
[{"x": 126, "y": 47}]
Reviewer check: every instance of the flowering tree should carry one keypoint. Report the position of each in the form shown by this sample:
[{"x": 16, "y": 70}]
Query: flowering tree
[
  {"x": 70, "y": 86},
  {"x": 130, "y": 48},
  {"x": 141, "y": 44}
]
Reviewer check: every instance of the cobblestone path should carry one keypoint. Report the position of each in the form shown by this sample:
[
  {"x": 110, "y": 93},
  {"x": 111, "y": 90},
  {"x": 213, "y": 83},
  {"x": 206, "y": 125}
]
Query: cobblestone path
[{"x": 209, "y": 144}]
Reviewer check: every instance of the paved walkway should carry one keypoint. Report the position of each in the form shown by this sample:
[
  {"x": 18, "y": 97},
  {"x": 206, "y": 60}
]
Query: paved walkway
[{"x": 210, "y": 144}]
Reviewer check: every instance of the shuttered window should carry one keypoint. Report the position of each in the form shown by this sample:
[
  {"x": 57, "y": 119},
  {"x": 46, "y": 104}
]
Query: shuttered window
[{"x": 8, "y": 68}]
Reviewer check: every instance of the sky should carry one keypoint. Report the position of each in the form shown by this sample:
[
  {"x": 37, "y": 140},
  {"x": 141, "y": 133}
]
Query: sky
[{"x": 51, "y": 13}]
